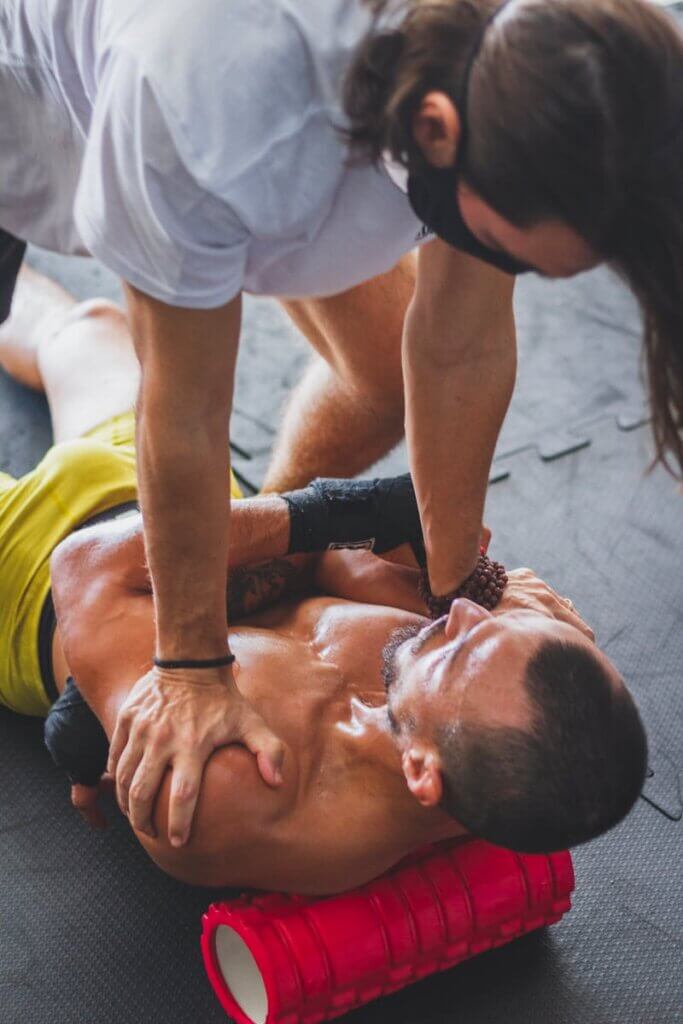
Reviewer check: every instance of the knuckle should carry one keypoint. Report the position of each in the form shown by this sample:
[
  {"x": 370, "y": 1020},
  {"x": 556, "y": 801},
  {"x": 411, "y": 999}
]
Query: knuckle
[
  {"x": 163, "y": 734},
  {"x": 138, "y": 791},
  {"x": 125, "y": 716},
  {"x": 139, "y": 728},
  {"x": 185, "y": 790}
]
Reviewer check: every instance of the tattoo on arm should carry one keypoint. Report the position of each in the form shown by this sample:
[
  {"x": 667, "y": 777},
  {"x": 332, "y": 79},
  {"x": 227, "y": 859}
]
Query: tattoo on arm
[{"x": 252, "y": 588}]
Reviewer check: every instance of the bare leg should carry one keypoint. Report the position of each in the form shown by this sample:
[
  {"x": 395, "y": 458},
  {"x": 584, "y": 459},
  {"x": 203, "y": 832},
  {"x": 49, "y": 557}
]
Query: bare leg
[
  {"x": 330, "y": 429},
  {"x": 90, "y": 370},
  {"x": 39, "y": 307},
  {"x": 348, "y": 410},
  {"x": 80, "y": 354}
]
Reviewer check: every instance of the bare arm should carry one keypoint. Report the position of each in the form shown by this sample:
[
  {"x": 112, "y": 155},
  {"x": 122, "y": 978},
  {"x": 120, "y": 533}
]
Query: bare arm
[
  {"x": 188, "y": 363},
  {"x": 95, "y": 604},
  {"x": 259, "y": 531},
  {"x": 177, "y": 717},
  {"x": 459, "y": 364},
  {"x": 252, "y": 588},
  {"x": 364, "y": 577}
]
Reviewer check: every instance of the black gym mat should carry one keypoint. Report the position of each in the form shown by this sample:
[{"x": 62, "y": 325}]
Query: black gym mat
[{"x": 92, "y": 933}]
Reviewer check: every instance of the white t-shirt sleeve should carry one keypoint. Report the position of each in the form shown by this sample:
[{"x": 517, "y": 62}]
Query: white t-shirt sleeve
[{"x": 138, "y": 208}]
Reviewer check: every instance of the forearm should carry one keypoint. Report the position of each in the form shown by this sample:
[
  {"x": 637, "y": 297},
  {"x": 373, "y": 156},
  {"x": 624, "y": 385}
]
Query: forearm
[
  {"x": 187, "y": 359},
  {"x": 459, "y": 377},
  {"x": 185, "y": 498},
  {"x": 259, "y": 530},
  {"x": 362, "y": 576}
]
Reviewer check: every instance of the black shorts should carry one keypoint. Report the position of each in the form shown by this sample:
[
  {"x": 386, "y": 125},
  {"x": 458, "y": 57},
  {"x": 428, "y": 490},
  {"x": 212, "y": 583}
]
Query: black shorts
[{"x": 11, "y": 257}]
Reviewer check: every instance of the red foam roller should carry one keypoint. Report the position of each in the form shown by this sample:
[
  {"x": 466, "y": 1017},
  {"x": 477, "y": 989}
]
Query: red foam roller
[{"x": 295, "y": 960}]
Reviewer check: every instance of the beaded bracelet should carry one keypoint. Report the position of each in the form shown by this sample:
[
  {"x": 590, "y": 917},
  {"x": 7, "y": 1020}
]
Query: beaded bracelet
[{"x": 484, "y": 586}]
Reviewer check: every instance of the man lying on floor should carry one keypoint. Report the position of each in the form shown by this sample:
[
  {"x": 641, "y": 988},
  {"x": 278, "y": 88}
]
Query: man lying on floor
[{"x": 399, "y": 731}]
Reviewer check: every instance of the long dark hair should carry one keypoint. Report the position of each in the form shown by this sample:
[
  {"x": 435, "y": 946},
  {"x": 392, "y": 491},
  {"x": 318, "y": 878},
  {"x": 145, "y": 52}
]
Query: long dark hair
[{"x": 575, "y": 112}]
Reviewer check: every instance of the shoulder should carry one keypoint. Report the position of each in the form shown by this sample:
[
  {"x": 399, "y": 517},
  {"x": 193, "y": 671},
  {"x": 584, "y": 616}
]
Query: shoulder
[
  {"x": 240, "y": 68},
  {"x": 236, "y": 825}
]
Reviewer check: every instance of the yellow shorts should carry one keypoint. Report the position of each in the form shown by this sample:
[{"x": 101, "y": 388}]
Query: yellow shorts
[{"x": 74, "y": 481}]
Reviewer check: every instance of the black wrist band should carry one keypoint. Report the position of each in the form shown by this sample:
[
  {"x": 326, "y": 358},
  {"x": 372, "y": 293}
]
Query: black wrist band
[
  {"x": 225, "y": 659},
  {"x": 378, "y": 514}
]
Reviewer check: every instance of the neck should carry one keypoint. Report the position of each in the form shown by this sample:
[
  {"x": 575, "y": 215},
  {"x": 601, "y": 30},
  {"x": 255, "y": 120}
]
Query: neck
[{"x": 375, "y": 750}]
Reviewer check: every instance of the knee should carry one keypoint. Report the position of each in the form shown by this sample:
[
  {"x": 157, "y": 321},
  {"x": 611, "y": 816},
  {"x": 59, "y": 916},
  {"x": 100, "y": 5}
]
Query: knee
[
  {"x": 382, "y": 391},
  {"x": 384, "y": 401},
  {"x": 95, "y": 309},
  {"x": 92, "y": 318}
]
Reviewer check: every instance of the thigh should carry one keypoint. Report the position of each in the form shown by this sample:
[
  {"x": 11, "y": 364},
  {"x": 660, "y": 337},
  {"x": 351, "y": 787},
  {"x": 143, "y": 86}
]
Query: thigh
[
  {"x": 89, "y": 369},
  {"x": 359, "y": 332}
]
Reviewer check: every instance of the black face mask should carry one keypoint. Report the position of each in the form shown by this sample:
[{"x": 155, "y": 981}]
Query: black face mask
[
  {"x": 433, "y": 197},
  {"x": 433, "y": 191}
]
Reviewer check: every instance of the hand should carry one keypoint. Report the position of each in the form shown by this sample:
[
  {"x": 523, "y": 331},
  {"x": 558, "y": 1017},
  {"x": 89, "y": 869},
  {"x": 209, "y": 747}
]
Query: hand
[
  {"x": 177, "y": 719},
  {"x": 526, "y": 590},
  {"x": 86, "y": 800}
]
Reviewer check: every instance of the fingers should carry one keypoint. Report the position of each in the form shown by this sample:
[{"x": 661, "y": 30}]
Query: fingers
[
  {"x": 269, "y": 750},
  {"x": 127, "y": 767},
  {"x": 144, "y": 788},
  {"x": 187, "y": 778},
  {"x": 107, "y": 785},
  {"x": 84, "y": 799},
  {"x": 118, "y": 742},
  {"x": 573, "y": 618}
]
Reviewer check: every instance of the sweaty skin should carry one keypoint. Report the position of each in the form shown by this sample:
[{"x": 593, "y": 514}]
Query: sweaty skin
[{"x": 312, "y": 666}]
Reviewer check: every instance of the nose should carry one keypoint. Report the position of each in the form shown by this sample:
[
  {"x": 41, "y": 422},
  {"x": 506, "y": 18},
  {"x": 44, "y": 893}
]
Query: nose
[{"x": 463, "y": 616}]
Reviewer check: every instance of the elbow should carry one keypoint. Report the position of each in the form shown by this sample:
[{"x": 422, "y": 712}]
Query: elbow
[
  {"x": 66, "y": 563},
  {"x": 79, "y": 585}
]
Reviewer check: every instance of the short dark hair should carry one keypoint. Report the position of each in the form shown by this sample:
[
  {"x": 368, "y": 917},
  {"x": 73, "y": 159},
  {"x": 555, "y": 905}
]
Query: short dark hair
[{"x": 574, "y": 774}]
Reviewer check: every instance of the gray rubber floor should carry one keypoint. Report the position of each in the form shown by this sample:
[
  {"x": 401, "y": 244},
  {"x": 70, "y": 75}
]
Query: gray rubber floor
[{"x": 92, "y": 933}]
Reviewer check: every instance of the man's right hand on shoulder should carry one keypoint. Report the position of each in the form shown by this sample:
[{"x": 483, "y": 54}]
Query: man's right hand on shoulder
[{"x": 175, "y": 720}]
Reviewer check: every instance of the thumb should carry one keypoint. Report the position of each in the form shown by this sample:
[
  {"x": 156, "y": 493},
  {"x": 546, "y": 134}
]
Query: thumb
[
  {"x": 107, "y": 785},
  {"x": 269, "y": 750},
  {"x": 84, "y": 799}
]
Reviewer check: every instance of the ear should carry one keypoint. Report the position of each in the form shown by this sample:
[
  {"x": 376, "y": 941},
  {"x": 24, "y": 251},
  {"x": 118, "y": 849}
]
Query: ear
[
  {"x": 422, "y": 769},
  {"x": 437, "y": 129}
]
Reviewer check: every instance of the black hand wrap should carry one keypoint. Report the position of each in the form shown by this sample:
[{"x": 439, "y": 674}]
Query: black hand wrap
[
  {"x": 374, "y": 514},
  {"x": 77, "y": 742}
]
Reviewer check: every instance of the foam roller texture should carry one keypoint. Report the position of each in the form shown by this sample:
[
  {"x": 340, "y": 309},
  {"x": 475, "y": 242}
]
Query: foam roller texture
[{"x": 313, "y": 960}]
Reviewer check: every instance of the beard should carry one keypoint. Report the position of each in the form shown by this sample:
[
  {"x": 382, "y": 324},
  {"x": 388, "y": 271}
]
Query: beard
[
  {"x": 400, "y": 636},
  {"x": 396, "y": 639}
]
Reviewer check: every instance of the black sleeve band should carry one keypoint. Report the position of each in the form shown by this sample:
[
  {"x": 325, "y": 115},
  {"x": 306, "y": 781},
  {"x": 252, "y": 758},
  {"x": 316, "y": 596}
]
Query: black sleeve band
[
  {"x": 375, "y": 514},
  {"x": 75, "y": 738}
]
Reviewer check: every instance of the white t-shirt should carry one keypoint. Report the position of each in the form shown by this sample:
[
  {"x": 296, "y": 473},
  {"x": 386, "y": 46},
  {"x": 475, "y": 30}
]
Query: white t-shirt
[{"x": 193, "y": 145}]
